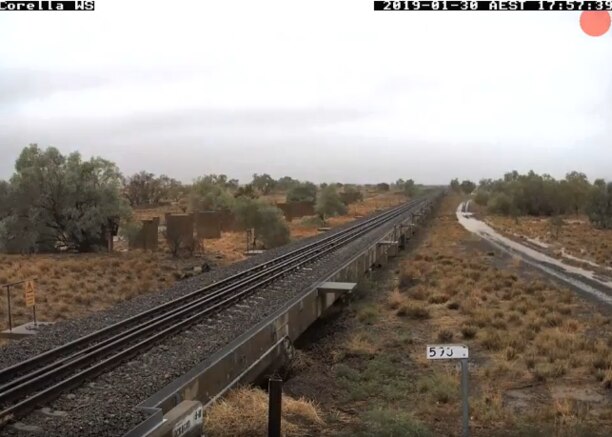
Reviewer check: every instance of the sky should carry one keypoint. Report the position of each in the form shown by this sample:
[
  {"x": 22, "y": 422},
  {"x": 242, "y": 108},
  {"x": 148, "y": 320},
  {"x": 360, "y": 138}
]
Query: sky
[{"x": 318, "y": 90}]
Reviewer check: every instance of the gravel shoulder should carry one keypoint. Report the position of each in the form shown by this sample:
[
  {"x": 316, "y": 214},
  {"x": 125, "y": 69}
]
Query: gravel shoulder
[{"x": 105, "y": 407}]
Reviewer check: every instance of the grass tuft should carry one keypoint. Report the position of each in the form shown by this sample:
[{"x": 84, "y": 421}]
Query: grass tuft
[
  {"x": 244, "y": 413},
  {"x": 413, "y": 311}
]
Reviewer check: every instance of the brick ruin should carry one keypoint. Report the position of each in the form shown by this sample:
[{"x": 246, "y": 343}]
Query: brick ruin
[{"x": 293, "y": 210}]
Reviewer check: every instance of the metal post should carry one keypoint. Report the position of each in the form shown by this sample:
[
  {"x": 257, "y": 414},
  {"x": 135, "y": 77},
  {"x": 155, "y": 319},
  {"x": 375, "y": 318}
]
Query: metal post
[
  {"x": 464, "y": 395},
  {"x": 8, "y": 300},
  {"x": 275, "y": 391},
  {"x": 34, "y": 314}
]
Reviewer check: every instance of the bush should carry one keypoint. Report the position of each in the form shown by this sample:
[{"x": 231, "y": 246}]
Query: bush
[
  {"x": 467, "y": 186},
  {"x": 445, "y": 335},
  {"x": 272, "y": 229},
  {"x": 329, "y": 203},
  {"x": 481, "y": 198},
  {"x": 453, "y": 305},
  {"x": 599, "y": 207},
  {"x": 468, "y": 331},
  {"x": 302, "y": 192},
  {"x": 267, "y": 220},
  {"x": 499, "y": 203},
  {"x": 130, "y": 231},
  {"x": 351, "y": 194},
  {"x": 206, "y": 196}
]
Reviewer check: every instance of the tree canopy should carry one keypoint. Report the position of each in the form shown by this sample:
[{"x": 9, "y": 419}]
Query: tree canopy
[
  {"x": 211, "y": 193},
  {"x": 543, "y": 195},
  {"x": 54, "y": 200},
  {"x": 264, "y": 183},
  {"x": 267, "y": 221},
  {"x": 329, "y": 203},
  {"x": 145, "y": 189},
  {"x": 302, "y": 192}
]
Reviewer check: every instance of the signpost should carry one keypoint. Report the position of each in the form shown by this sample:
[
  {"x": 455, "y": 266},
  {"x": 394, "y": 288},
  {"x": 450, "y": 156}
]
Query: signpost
[
  {"x": 30, "y": 298},
  {"x": 455, "y": 352}
]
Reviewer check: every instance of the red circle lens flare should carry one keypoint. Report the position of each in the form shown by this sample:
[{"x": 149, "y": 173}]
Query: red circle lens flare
[{"x": 595, "y": 23}]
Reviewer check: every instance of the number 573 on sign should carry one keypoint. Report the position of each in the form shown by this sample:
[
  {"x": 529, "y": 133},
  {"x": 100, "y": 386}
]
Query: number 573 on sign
[{"x": 446, "y": 351}]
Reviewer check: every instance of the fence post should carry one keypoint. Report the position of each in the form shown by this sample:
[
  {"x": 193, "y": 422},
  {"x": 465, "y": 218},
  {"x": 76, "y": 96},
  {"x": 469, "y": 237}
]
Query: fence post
[
  {"x": 8, "y": 300},
  {"x": 275, "y": 391}
]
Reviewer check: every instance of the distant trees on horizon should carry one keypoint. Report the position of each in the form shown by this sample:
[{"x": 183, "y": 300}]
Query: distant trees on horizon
[
  {"x": 542, "y": 195},
  {"x": 55, "y": 201}
]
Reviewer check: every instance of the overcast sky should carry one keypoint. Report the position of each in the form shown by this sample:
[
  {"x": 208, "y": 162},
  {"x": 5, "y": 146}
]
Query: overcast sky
[{"x": 319, "y": 90}]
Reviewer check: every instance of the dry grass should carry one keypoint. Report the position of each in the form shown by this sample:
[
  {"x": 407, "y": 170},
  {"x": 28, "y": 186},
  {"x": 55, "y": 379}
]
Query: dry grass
[
  {"x": 541, "y": 357},
  {"x": 69, "y": 286},
  {"x": 372, "y": 202},
  {"x": 577, "y": 236},
  {"x": 244, "y": 413}
]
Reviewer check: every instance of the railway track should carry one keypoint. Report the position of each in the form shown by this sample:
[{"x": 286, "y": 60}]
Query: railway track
[{"x": 43, "y": 377}]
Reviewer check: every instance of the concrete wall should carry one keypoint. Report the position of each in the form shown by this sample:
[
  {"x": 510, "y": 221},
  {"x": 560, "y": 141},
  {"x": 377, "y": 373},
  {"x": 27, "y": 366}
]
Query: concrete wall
[
  {"x": 208, "y": 224},
  {"x": 179, "y": 231},
  {"x": 147, "y": 237},
  {"x": 293, "y": 210}
]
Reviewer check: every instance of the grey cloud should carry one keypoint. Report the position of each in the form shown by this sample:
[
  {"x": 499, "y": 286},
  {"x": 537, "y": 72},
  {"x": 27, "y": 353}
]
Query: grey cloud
[{"x": 24, "y": 84}]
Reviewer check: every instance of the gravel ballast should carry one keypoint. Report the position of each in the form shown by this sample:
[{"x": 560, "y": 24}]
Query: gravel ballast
[{"x": 105, "y": 407}]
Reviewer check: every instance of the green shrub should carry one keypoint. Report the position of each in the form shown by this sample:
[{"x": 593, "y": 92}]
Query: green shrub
[
  {"x": 329, "y": 203},
  {"x": 302, "y": 192},
  {"x": 267, "y": 220}
]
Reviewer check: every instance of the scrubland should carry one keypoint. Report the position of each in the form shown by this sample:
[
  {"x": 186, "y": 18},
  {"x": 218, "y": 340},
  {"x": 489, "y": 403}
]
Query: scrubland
[
  {"x": 540, "y": 356},
  {"x": 72, "y": 285},
  {"x": 576, "y": 236}
]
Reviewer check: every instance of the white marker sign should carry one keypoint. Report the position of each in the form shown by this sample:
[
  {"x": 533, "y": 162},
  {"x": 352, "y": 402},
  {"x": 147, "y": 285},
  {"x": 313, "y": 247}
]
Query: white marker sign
[
  {"x": 446, "y": 351},
  {"x": 183, "y": 427}
]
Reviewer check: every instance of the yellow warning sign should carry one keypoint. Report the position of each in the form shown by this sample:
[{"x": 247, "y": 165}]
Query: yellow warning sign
[{"x": 30, "y": 294}]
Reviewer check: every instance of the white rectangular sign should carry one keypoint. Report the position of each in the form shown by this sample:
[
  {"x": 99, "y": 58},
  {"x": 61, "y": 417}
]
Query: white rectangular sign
[
  {"x": 446, "y": 351},
  {"x": 188, "y": 423}
]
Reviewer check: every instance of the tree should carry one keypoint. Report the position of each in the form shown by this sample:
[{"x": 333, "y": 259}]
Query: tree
[
  {"x": 351, "y": 194},
  {"x": 57, "y": 200},
  {"x": 264, "y": 183},
  {"x": 578, "y": 189},
  {"x": 383, "y": 186},
  {"x": 500, "y": 203},
  {"x": 176, "y": 190},
  {"x": 302, "y": 192},
  {"x": 286, "y": 183},
  {"x": 5, "y": 199},
  {"x": 329, "y": 203},
  {"x": 210, "y": 193},
  {"x": 482, "y": 197},
  {"x": 599, "y": 205},
  {"x": 409, "y": 188},
  {"x": 267, "y": 221},
  {"x": 455, "y": 186},
  {"x": 467, "y": 186},
  {"x": 246, "y": 191},
  {"x": 145, "y": 189},
  {"x": 542, "y": 195}
]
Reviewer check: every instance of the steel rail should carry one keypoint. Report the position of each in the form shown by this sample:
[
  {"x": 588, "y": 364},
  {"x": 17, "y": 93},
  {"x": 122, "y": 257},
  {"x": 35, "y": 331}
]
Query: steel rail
[
  {"x": 5, "y": 391},
  {"x": 175, "y": 320},
  {"x": 11, "y": 372}
]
